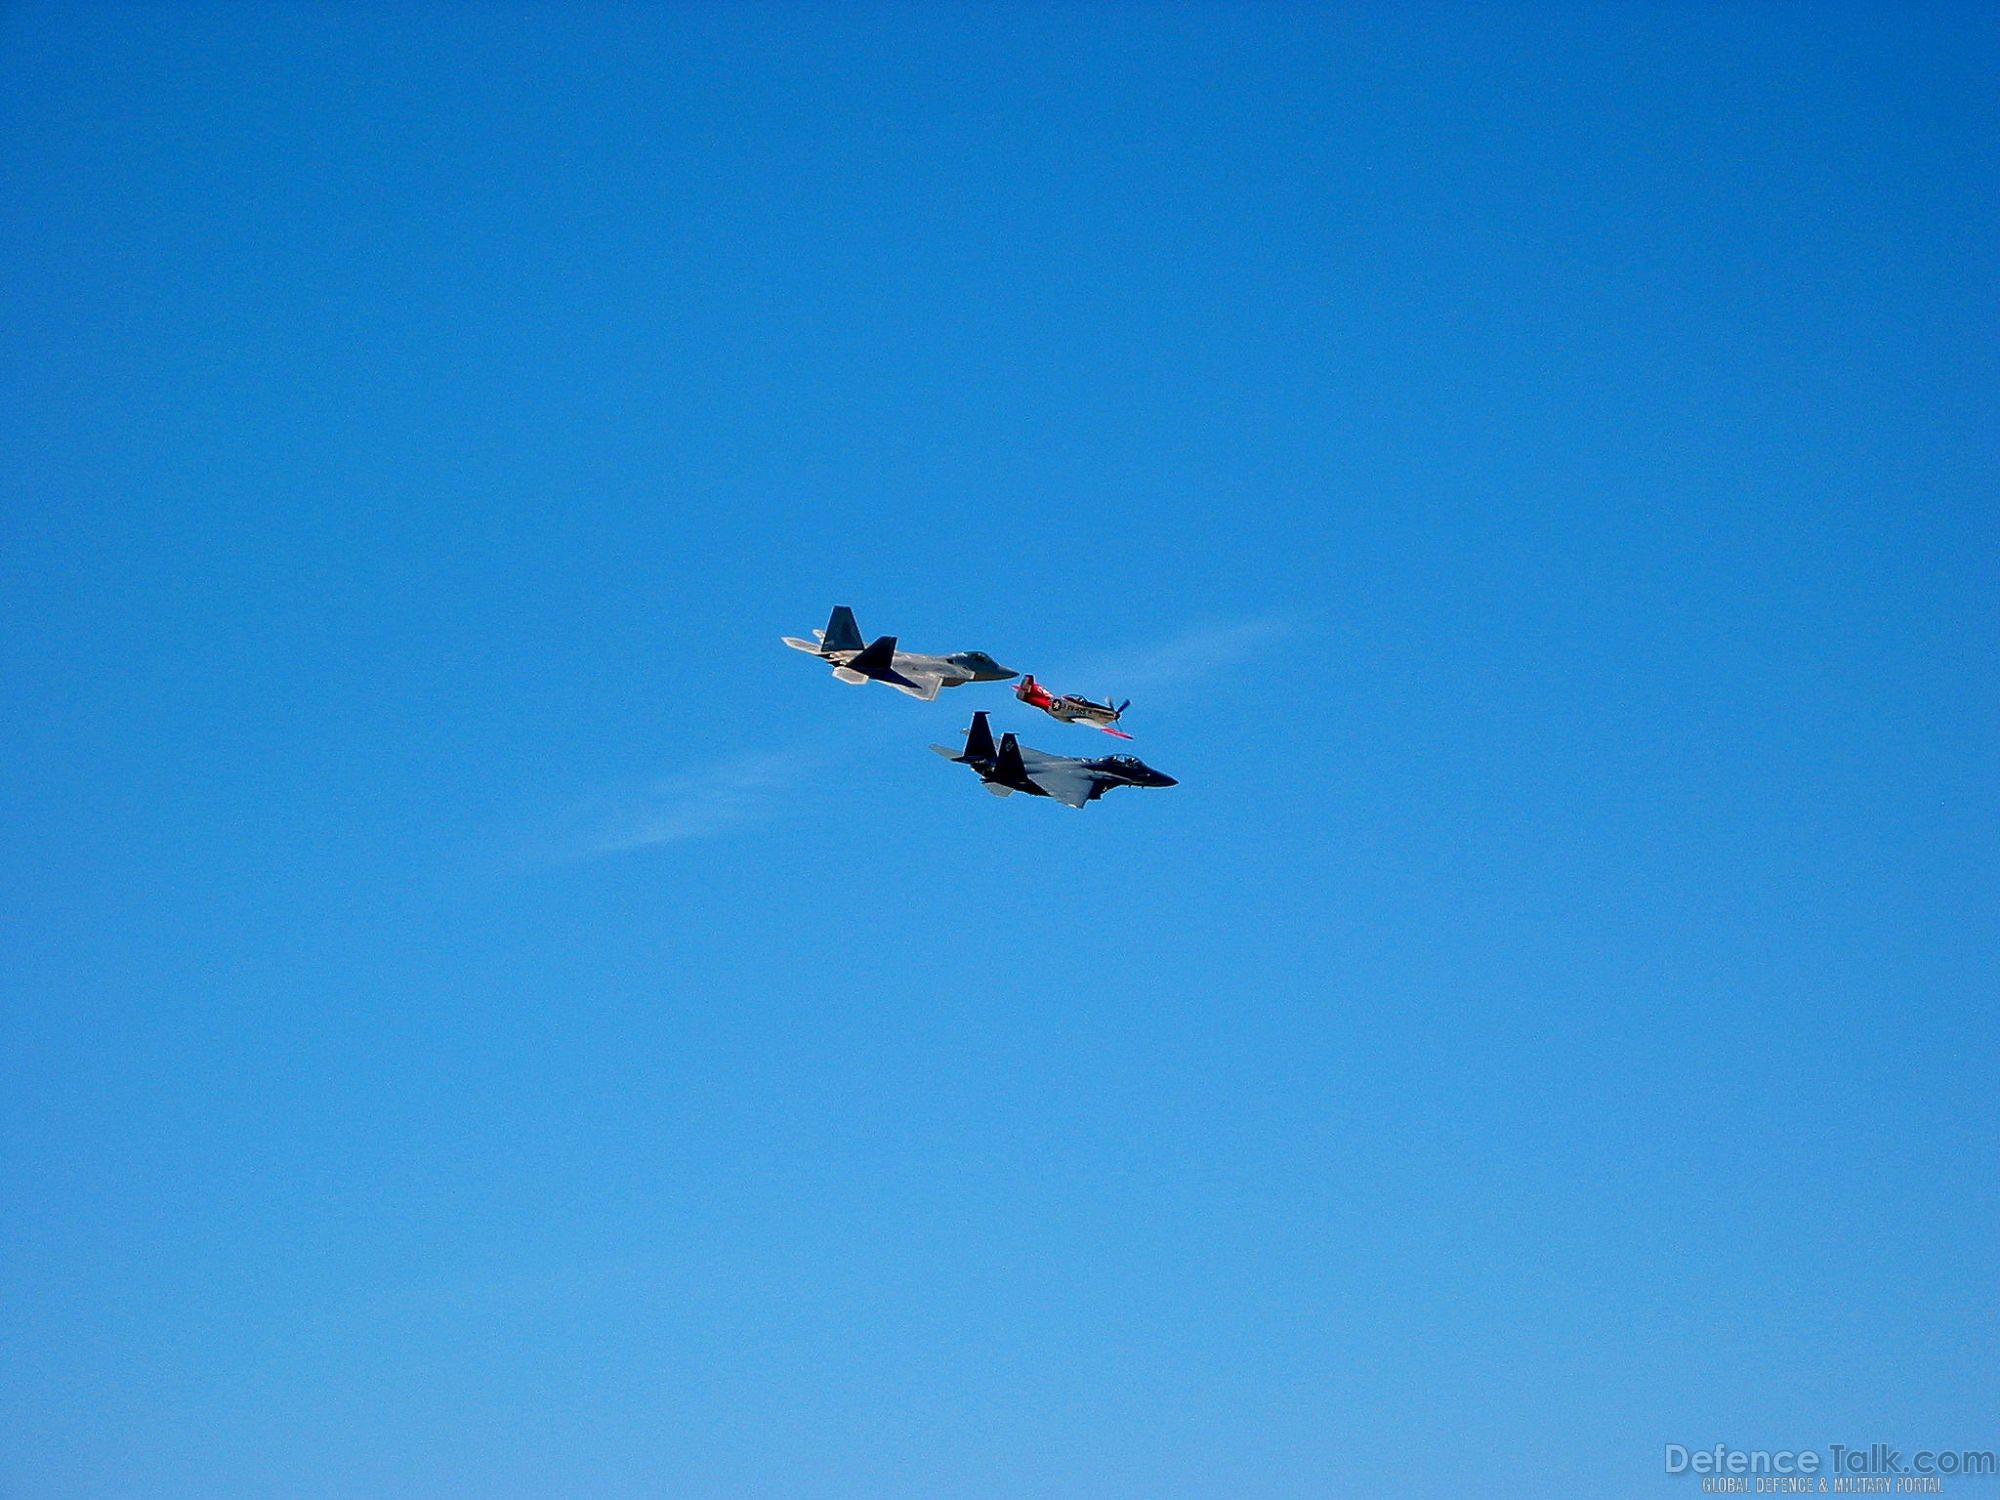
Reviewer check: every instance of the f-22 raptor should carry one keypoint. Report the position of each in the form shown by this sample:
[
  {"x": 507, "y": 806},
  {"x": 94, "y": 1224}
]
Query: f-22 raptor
[
  {"x": 909, "y": 672},
  {"x": 1007, "y": 769}
]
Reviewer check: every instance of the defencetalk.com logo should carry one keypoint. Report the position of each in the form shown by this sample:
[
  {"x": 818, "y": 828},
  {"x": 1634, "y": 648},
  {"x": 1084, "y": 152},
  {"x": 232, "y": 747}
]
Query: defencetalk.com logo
[{"x": 1878, "y": 1469}]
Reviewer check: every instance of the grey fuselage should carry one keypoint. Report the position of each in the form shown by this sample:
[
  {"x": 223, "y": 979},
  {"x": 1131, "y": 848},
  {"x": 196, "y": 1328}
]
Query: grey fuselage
[
  {"x": 1069, "y": 779},
  {"x": 917, "y": 673}
]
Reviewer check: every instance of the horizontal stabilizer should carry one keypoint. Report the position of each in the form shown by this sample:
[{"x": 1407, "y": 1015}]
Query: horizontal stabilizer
[
  {"x": 848, "y": 674},
  {"x": 998, "y": 790},
  {"x": 798, "y": 645}
]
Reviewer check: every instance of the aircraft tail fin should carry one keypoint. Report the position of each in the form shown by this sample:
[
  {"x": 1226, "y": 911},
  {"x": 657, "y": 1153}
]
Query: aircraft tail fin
[
  {"x": 1009, "y": 760},
  {"x": 842, "y": 634},
  {"x": 978, "y": 740},
  {"x": 879, "y": 656}
]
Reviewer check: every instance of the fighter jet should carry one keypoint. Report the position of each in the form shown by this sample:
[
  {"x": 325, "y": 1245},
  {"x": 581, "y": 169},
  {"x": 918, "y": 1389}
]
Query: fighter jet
[
  {"x": 1072, "y": 709},
  {"x": 879, "y": 661},
  {"x": 1007, "y": 769}
]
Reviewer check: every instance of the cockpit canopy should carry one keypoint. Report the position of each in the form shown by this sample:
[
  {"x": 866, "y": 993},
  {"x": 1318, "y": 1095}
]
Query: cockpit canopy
[{"x": 979, "y": 661}]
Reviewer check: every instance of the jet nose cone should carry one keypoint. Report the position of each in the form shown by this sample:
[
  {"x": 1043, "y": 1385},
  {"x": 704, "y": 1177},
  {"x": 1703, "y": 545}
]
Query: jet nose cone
[
  {"x": 1161, "y": 778},
  {"x": 1002, "y": 674}
]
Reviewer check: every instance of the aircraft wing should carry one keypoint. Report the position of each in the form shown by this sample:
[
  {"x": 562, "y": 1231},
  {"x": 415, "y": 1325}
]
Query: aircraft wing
[
  {"x": 925, "y": 673},
  {"x": 916, "y": 684},
  {"x": 1072, "y": 786}
]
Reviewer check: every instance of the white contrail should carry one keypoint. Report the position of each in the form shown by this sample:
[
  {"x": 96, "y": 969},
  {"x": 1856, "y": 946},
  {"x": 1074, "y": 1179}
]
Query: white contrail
[
  {"x": 693, "y": 804},
  {"x": 1179, "y": 661}
]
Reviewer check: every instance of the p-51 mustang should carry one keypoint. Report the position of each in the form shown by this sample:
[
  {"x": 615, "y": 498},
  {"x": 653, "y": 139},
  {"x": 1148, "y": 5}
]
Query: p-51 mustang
[
  {"x": 1007, "y": 769},
  {"x": 879, "y": 661},
  {"x": 1072, "y": 709}
]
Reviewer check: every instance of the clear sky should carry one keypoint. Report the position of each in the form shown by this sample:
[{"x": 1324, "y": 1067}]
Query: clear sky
[{"x": 482, "y": 1019}]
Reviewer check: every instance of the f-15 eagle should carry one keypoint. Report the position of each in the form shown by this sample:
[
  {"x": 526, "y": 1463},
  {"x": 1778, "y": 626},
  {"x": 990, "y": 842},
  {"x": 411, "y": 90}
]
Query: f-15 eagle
[{"x": 1007, "y": 768}]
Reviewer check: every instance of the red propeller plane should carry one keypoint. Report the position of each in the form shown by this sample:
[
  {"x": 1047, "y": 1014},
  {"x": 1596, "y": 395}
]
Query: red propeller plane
[{"x": 1072, "y": 709}]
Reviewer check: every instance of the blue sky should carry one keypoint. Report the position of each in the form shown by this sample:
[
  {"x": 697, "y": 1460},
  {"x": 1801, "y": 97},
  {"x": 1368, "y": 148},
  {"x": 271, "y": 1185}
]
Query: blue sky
[{"x": 483, "y": 1019}]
